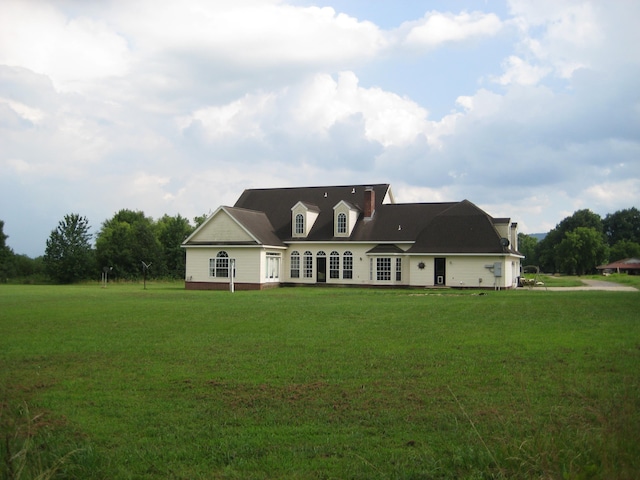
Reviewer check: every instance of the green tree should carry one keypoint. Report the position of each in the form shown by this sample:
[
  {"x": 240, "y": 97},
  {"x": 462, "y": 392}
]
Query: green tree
[
  {"x": 549, "y": 258},
  {"x": 527, "y": 246},
  {"x": 581, "y": 251},
  {"x": 622, "y": 225},
  {"x": 6, "y": 256},
  {"x": 127, "y": 240},
  {"x": 199, "y": 220},
  {"x": 68, "y": 255},
  {"x": 171, "y": 232},
  {"x": 624, "y": 249}
]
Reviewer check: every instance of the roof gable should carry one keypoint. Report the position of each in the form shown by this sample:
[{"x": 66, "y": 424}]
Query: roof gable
[{"x": 229, "y": 225}]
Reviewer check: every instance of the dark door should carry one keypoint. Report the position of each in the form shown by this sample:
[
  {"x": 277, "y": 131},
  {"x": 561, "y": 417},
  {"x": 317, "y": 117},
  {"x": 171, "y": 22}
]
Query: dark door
[
  {"x": 321, "y": 267},
  {"x": 439, "y": 268}
]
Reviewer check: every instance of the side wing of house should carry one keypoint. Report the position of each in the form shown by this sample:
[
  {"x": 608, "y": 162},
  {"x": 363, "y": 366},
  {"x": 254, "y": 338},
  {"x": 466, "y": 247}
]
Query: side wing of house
[{"x": 233, "y": 247}]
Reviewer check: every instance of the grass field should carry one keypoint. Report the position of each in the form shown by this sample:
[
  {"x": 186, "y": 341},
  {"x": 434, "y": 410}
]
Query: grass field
[{"x": 319, "y": 383}]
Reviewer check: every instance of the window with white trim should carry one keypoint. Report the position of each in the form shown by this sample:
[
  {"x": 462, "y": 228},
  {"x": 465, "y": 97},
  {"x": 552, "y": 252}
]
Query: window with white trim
[
  {"x": 295, "y": 265},
  {"x": 398, "y": 269},
  {"x": 272, "y": 270},
  {"x": 347, "y": 265},
  {"x": 299, "y": 224},
  {"x": 219, "y": 266},
  {"x": 383, "y": 268},
  {"x": 334, "y": 265},
  {"x": 308, "y": 264},
  {"x": 342, "y": 223}
]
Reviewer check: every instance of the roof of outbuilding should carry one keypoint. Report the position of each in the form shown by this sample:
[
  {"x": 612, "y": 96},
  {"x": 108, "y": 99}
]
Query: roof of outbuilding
[{"x": 626, "y": 264}]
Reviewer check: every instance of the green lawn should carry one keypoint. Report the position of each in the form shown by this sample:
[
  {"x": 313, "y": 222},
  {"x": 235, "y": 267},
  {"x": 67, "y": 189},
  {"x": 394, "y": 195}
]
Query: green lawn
[{"x": 319, "y": 383}]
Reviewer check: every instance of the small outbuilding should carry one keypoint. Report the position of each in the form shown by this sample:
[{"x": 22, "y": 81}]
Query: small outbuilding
[{"x": 629, "y": 266}]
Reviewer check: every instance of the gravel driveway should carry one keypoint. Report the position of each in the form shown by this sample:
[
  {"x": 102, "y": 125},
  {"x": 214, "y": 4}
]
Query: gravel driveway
[{"x": 591, "y": 285}]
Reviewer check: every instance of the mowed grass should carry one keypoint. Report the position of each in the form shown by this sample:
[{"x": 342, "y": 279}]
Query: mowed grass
[{"x": 318, "y": 383}]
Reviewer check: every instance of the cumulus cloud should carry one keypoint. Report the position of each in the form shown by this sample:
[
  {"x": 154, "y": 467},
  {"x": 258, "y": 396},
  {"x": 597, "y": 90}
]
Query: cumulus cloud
[
  {"x": 438, "y": 28},
  {"x": 176, "y": 107}
]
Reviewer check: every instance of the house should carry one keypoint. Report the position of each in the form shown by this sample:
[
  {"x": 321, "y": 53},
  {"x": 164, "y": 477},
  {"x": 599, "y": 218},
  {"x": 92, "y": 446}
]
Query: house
[
  {"x": 630, "y": 266},
  {"x": 350, "y": 235}
]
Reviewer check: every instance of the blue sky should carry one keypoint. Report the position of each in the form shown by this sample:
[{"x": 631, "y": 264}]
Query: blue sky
[{"x": 530, "y": 109}]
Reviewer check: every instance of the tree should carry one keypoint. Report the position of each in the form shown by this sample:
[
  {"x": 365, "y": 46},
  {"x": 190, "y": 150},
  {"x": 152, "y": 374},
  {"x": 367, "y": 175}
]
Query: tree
[
  {"x": 622, "y": 225},
  {"x": 127, "y": 240},
  {"x": 548, "y": 256},
  {"x": 171, "y": 232},
  {"x": 581, "y": 251},
  {"x": 68, "y": 255},
  {"x": 624, "y": 249},
  {"x": 6, "y": 256},
  {"x": 199, "y": 220},
  {"x": 527, "y": 246}
]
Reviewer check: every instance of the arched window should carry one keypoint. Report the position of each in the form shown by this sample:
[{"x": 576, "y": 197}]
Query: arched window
[
  {"x": 299, "y": 224},
  {"x": 308, "y": 264},
  {"x": 342, "y": 223},
  {"x": 334, "y": 265},
  {"x": 219, "y": 266},
  {"x": 295, "y": 265},
  {"x": 347, "y": 265}
]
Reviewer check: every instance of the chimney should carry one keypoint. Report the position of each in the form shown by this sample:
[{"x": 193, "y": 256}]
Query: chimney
[{"x": 369, "y": 203}]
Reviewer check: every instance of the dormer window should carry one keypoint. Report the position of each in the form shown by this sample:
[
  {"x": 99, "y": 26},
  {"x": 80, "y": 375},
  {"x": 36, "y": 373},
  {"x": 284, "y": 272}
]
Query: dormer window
[
  {"x": 303, "y": 216},
  {"x": 345, "y": 216},
  {"x": 342, "y": 223},
  {"x": 299, "y": 224}
]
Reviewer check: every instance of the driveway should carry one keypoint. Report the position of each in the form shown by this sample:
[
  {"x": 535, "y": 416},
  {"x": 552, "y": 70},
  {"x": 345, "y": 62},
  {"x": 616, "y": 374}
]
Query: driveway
[{"x": 591, "y": 285}]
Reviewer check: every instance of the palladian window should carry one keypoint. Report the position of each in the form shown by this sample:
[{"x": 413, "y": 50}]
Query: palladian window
[{"x": 219, "y": 266}]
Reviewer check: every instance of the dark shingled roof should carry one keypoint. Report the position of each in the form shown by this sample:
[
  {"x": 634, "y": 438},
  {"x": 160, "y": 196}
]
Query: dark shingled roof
[
  {"x": 257, "y": 224},
  {"x": 449, "y": 227},
  {"x": 276, "y": 203},
  {"x": 461, "y": 228}
]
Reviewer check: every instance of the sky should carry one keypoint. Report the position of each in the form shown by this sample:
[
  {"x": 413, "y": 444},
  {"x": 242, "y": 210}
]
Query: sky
[{"x": 529, "y": 109}]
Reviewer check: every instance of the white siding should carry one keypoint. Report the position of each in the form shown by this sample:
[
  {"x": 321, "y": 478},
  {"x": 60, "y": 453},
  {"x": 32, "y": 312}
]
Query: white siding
[
  {"x": 221, "y": 228},
  {"x": 466, "y": 271},
  {"x": 248, "y": 264}
]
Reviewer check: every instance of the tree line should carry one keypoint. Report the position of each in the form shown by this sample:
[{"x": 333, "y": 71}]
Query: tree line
[
  {"x": 576, "y": 246},
  {"x": 121, "y": 246},
  {"x": 583, "y": 241}
]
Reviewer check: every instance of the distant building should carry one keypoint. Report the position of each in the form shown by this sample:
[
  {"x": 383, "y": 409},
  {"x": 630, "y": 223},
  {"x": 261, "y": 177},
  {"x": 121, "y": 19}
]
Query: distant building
[
  {"x": 350, "y": 235},
  {"x": 630, "y": 266}
]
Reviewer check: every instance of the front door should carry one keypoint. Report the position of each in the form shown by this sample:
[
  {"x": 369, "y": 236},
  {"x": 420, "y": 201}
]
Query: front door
[
  {"x": 321, "y": 270},
  {"x": 439, "y": 269}
]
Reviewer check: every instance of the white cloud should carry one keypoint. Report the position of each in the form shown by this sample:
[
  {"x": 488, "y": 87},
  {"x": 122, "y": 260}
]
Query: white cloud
[
  {"x": 315, "y": 106},
  {"x": 176, "y": 107},
  {"x": 437, "y": 28},
  {"x": 614, "y": 195},
  {"x": 520, "y": 72},
  {"x": 33, "y": 115},
  {"x": 71, "y": 51}
]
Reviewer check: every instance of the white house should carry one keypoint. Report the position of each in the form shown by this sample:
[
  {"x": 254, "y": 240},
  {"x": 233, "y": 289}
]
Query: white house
[{"x": 350, "y": 235}]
